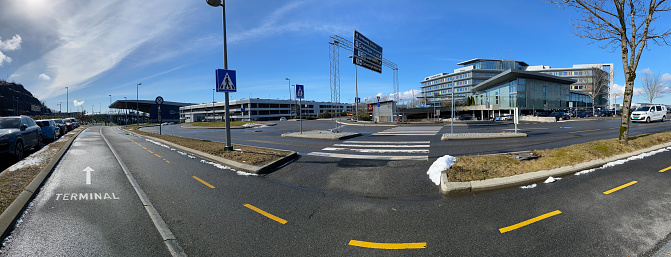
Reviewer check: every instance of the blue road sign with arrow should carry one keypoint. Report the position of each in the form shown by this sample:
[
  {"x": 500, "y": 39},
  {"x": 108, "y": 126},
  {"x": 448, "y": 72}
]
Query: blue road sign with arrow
[{"x": 226, "y": 81}]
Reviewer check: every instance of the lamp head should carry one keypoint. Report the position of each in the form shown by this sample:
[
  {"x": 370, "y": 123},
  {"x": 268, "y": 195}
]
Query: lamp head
[{"x": 214, "y": 3}]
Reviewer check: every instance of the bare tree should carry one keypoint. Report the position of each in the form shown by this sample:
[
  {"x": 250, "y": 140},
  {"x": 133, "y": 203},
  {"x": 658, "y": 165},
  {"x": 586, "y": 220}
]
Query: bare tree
[
  {"x": 598, "y": 87},
  {"x": 624, "y": 24},
  {"x": 653, "y": 87}
]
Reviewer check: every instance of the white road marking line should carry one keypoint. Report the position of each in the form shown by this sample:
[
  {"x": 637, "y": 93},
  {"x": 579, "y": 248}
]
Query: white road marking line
[
  {"x": 376, "y": 150},
  {"x": 373, "y": 157},
  {"x": 402, "y": 134},
  {"x": 386, "y": 142},
  {"x": 400, "y": 146}
]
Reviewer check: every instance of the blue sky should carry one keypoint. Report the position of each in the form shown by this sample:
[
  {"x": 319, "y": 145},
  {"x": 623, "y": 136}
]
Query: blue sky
[{"x": 172, "y": 47}]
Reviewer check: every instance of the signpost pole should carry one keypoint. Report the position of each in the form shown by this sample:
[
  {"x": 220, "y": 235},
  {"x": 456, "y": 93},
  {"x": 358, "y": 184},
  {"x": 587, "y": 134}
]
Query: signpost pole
[{"x": 300, "y": 110}]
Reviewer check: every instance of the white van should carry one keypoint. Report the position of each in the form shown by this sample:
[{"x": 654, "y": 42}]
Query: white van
[{"x": 649, "y": 113}]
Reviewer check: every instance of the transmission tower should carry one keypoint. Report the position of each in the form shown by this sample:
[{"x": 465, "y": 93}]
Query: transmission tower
[{"x": 340, "y": 42}]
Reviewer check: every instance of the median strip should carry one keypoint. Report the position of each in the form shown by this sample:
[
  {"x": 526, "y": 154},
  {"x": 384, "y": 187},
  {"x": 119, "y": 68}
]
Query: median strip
[
  {"x": 387, "y": 245},
  {"x": 202, "y": 181},
  {"x": 620, "y": 187},
  {"x": 527, "y": 222},
  {"x": 262, "y": 212}
]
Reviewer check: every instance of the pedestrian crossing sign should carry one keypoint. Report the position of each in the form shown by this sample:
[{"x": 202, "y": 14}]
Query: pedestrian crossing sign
[{"x": 226, "y": 81}]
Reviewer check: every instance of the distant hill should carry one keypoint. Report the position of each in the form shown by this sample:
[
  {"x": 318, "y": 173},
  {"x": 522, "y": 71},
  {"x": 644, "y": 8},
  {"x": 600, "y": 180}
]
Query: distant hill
[{"x": 11, "y": 93}]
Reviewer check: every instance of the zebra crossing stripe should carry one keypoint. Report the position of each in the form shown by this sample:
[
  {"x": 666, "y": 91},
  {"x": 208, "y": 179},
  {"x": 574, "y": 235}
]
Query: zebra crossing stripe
[
  {"x": 373, "y": 157},
  {"x": 386, "y": 142},
  {"x": 390, "y": 146},
  {"x": 376, "y": 150}
]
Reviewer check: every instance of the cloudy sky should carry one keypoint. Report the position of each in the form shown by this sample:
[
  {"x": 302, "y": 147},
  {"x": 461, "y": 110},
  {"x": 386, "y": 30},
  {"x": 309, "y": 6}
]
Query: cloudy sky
[{"x": 172, "y": 47}]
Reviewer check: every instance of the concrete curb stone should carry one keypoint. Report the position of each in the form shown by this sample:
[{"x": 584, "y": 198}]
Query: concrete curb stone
[
  {"x": 9, "y": 217},
  {"x": 455, "y": 188}
]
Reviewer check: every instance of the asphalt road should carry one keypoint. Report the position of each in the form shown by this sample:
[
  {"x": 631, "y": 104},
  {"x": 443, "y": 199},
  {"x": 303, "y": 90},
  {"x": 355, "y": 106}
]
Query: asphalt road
[{"x": 214, "y": 212}]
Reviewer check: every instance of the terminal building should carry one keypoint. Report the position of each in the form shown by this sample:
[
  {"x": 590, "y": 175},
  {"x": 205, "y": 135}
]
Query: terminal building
[
  {"x": 486, "y": 80},
  {"x": 255, "y": 109}
]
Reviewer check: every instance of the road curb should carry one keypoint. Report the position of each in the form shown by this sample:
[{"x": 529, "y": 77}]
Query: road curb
[
  {"x": 233, "y": 164},
  {"x": 455, "y": 188},
  {"x": 13, "y": 212}
]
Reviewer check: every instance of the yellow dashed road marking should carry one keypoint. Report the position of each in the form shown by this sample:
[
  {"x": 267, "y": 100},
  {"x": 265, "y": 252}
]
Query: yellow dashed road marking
[
  {"x": 620, "y": 187},
  {"x": 665, "y": 169},
  {"x": 527, "y": 222},
  {"x": 387, "y": 245},
  {"x": 270, "y": 216},
  {"x": 202, "y": 181}
]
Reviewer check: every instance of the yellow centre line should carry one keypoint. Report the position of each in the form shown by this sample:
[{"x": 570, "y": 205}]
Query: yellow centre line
[
  {"x": 527, "y": 222},
  {"x": 270, "y": 216},
  {"x": 387, "y": 245},
  {"x": 202, "y": 181},
  {"x": 620, "y": 187},
  {"x": 150, "y": 151},
  {"x": 158, "y": 156},
  {"x": 665, "y": 169},
  {"x": 144, "y": 148}
]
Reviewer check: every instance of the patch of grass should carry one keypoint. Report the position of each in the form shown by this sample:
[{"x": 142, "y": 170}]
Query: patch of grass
[
  {"x": 247, "y": 154},
  {"x": 222, "y": 124},
  {"x": 12, "y": 183},
  {"x": 480, "y": 167}
]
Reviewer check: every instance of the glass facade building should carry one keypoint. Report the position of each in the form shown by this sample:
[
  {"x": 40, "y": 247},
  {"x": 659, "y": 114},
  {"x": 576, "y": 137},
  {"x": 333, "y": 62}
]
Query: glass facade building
[{"x": 438, "y": 88}]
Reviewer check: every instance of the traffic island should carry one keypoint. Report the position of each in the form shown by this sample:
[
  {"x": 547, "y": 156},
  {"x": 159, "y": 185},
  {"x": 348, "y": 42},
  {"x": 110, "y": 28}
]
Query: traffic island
[
  {"x": 322, "y": 134},
  {"x": 462, "y": 136},
  {"x": 252, "y": 159},
  {"x": 469, "y": 174}
]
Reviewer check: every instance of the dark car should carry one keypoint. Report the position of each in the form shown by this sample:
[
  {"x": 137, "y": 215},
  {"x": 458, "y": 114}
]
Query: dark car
[
  {"x": 50, "y": 131},
  {"x": 560, "y": 116},
  {"x": 582, "y": 114},
  {"x": 70, "y": 123},
  {"x": 17, "y": 134},
  {"x": 466, "y": 117},
  {"x": 542, "y": 114},
  {"x": 61, "y": 126}
]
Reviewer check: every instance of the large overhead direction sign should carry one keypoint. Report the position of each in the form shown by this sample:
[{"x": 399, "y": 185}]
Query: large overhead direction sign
[{"x": 367, "y": 54}]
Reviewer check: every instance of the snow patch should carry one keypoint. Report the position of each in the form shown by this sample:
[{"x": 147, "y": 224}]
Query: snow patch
[
  {"x": 443, "y": 163},
  {"x": 157, "y": 143},
  {"x": 619, "y": 162},
  {"x": 528, "y": 187},
  {"x": 191, "y": 156},
  {"x": 223, "y": 167},
  {"x": 34, "y": 159},
  {"x": 180, "y": 152},
  {"x": 551, "y": 180}
]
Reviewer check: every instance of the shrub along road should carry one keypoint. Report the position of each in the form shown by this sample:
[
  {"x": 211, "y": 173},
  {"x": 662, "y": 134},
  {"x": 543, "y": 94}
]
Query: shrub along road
[{"x": 213, "y": 211}]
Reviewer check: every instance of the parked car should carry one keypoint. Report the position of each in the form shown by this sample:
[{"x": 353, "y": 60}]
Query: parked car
[
  {"x": 18, "y": 133},
  {"x": 584, "y": 114},
  {"x": 560, "y": 116},
  {"x": 649, "y": 113},
  {"x": 49, "y": 129},
  {"x": 61, "y": 126},
  {"x": 542, "y": 114},
  {"x": 71, "y": 123},
  {"x": 466, "y": 117}
]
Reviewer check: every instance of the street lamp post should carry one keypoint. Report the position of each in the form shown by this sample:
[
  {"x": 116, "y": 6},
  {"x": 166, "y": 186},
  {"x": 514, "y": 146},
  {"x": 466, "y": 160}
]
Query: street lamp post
[
  {"x": 290, "y": 114},
  {"x": 222, "y": 3},
  {"x": 67, "y": 100},
  {"x": 109, "y": 112},
  {"x": 356, "y": 89},
  {"x": 137, "y": 102},
  {"x": 60, "y": 109},
  {"x": 125, "y": 105},
  {"x": 213, "y": 119}
]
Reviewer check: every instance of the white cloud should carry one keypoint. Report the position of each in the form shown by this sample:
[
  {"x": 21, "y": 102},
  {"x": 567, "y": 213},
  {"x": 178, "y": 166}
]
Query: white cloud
[
  {"x": 4, "y": 59},
  {"x": 646, "y": 71},
  {"x": 666, "y": 77},
  {"x": 619, "y": 90},
  {"x": 11, "y": 44},
  {"x": 94, "y": 37},
  {"x": 77, "y": 103},
  {"x": 44, "y": 77},
  {"x": 408, "y": 95}
]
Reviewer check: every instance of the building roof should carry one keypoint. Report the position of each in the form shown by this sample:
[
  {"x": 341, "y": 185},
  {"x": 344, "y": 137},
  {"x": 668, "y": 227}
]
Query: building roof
[
  {"x": 481, "y": 59},
  {"x": 143, "y": 105},
  {"x": 514, "y": 74}
]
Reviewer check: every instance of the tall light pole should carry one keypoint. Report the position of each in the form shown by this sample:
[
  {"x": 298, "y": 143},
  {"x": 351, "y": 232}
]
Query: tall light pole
[
  {"x": 60, "y": 107},
  {"x": 356, "y": 89},
  {"x": 125, "y": 114},
  {"x": 67, "y": 100},
  {"x": 137, "y": 104},
  {"x": 213, "y": 119},
  {"x": 222, "y": 3},
  {"x": 289, "y": 97},
  {"x": 109, "y": 112}
]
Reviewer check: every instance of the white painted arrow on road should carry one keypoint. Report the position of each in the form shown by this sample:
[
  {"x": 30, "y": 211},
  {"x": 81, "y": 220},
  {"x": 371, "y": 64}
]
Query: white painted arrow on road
[{"x": 88, "y": 175}]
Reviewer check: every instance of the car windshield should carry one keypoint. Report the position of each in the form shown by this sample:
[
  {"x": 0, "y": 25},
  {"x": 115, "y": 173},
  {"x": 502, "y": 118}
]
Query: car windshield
[
  {"x": 42, "y": 123},
  {"x": 7, "y": 123},
  {"x": 643, "y": 109}
]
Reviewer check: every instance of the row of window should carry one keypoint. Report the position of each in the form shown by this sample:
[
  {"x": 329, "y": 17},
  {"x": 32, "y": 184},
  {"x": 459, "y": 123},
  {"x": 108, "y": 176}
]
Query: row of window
[
  {"x": 568, "y": 73},
  {"x": 455, "y": 77}
]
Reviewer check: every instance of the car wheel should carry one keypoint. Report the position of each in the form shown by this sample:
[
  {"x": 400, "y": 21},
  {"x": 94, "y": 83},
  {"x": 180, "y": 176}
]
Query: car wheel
[
  {"x": 663, "y": 118},
  {"x": 40, "y": 143},
  {"x": 647, "y": 120},
  {"x": 18, "y": 151},
  {"x": 55, "y": 135}
]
